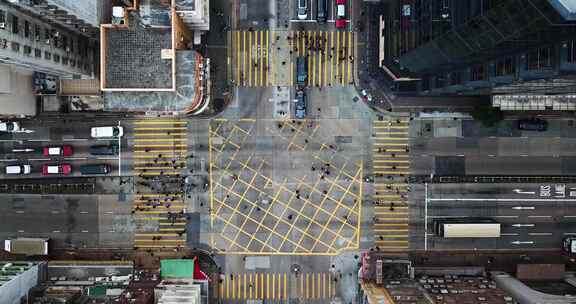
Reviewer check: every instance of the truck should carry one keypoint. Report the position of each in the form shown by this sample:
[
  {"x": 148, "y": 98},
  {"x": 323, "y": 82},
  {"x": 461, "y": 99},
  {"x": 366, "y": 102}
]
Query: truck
[{"x": 27, "y": 246}]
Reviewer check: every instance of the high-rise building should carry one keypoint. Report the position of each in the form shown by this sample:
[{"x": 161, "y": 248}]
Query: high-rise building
[
  {"x": 52, "y": 38},
  {"x": 486, "y": 47}
]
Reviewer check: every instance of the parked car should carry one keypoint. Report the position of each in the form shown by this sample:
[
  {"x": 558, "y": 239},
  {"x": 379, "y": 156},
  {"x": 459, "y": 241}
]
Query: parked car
[
  {"x": 110, "y": 149},
  {"x": 301, "y": 107},
  {"x": 111, "y": 131},
  {"x": 65, "y": 150},
  {"x": 18, "y": 169},
  {"x": 321, "y": 11},
  {"x": 9, "y": 126},
  {"x": 63, "y": 169},
  {"x": 92, "y": 169},
  {"x": 533, "y": 124},
  {"x": 302, "y": 9},
  {"x": 340, "y": 13}
]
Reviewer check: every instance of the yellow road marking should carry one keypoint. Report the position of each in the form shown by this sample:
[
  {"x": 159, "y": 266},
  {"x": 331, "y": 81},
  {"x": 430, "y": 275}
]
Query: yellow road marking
[
  {"x": 160, "y": 122},
  {"x": 160, "y": 129},
  {"x": 238, "y": 57},
  {"x": 249, "y": 59}
]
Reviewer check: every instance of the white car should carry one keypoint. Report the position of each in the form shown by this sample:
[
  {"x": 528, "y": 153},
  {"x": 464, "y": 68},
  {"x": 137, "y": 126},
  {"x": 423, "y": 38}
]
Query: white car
[
  {"x": 302, "y": 9},
  {"x": 100, "y": 132},
  {"x": 9, "y": 126},
  {"x": 18, "y": 169}
]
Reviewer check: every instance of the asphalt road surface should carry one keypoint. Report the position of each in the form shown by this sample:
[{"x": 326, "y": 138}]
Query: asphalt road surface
[
  {"x": 450, "y": 146},
  {"x": 26, "y": 148},
  {"x": 532, "y": 216},
  {"x": 68, "y": 220}
]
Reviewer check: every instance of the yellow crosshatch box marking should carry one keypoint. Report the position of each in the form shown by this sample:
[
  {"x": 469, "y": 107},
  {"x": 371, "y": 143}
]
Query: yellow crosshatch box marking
[{"x": 258, "y": 207}]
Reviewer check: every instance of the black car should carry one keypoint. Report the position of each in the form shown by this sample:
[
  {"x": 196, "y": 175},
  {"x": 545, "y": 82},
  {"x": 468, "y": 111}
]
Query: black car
[
  {"x": 104, "y": 150},
  {"x": 533, "y": 124},
  {"x": 300, "y": 111}
]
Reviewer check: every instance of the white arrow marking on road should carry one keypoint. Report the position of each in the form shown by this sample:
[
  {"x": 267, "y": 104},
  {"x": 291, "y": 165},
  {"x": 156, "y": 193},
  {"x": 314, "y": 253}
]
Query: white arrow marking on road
[
  {"x": 523, "y": 225},
  {"x": 523, "y": 208},
  {"x": 519, "y": 191},
  {"x": 23, "y": 150},
  {"x": 522, "y": 242}
]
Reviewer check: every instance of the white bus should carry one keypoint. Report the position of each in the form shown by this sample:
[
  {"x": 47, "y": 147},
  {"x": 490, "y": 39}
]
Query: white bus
[{"x": 466, "y": 228}]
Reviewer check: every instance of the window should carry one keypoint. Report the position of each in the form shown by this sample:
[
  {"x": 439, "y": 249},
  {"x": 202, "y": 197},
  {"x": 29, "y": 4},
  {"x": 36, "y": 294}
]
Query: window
[
  {"x": 37, "y": 32},
  {"x": 477, "y": 73},
  {"x": 539, "y": 59},
  {"x": 47, "y": 55},
  {"x": 2, "y": 16},
  {"x": 38, "y": 53},
  {"x": 65, "y": 60},
  {"x": 56, "y": 58},
  {"x": 26, "y": 29},
  {"x": 15, "y": 46},
  {"x": 571, "y": 51},
  {"x": 27, "y": 50},
  {"x": 15, "y": 27},
  {"x": 505, "y": 67}
]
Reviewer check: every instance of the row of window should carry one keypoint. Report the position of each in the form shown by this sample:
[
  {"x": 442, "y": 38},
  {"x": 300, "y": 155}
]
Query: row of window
[
  {"x": 35, "y": 32},
  {"x": 37, "y": 53}
]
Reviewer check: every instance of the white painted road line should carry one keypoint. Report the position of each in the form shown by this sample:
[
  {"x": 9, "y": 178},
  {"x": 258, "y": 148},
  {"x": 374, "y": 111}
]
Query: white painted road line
[
  {"x": 56, "y": 231},
  {"x": 19, "y": 211},
  {"x": 75, "y": 158},
  {"x": 83, "y": 212},
  {"x": 509, "y": 234},
  {"x": 21, "y": 231},
  {"x": 37, "y": 139},
  {"x": 540, "y": 216},
  {"x": 84, "y": 231},
  {"x": 38, "y": 159},
  {"x": 569, "y": 233},
  {"x": 107, "y": 158},
  {"x": 75, "y": 139},
  {"x": 500, "y": 200},
  {"x": 8, "y": 160},
  {"x": 506, "y": 216},
  {"x": 569, "y": 216},
  {"x": 539, "y": 233}
]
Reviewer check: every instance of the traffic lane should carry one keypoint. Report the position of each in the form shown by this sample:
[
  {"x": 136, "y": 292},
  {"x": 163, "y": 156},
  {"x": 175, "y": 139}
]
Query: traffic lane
[
  {"x": 505, "y": 210},
  {"x": 34, "y": 149},
  {"x": 74, "y": 162},
  {"x": 63, "y": 218},
  {"x": 502, "y": 192},
  {"x": 521, "y": 164},
  {"x": 58, "y": 130},
  {"x": 498, "y": 146}
]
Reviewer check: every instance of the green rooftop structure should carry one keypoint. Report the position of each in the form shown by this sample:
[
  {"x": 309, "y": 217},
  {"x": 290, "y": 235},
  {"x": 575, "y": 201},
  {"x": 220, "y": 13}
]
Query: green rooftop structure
[{"x": 177, "y": 268}]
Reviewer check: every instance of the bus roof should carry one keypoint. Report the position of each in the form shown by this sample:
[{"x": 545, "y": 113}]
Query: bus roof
[{"x": 471, "y": 230}]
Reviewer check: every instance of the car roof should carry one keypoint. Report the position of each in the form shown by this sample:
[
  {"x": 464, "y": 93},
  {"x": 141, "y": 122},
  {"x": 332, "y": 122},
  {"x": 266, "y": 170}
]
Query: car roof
[{"x": 53, "y": 169}]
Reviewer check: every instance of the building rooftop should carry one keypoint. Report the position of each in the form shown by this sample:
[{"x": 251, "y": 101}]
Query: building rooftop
[
  {"x": 566, "y": 8},
  {"x": 182, "y": 98},
  {"x": 133, "y": 57}
]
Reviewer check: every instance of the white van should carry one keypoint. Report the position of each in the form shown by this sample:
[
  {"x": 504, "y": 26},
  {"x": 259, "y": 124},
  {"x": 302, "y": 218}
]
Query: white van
[
  {"x": 99, "y": 132},
  {"x": 302, "y": 9},
  {"x": 18, "y": 169}
]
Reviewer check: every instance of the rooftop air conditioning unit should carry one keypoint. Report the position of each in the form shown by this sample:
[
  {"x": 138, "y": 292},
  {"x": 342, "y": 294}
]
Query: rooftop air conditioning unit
[
  {"x": 48, "y": 41},
  {"x": 2, "y": 25},
  {"x": 68, "y": 49}
]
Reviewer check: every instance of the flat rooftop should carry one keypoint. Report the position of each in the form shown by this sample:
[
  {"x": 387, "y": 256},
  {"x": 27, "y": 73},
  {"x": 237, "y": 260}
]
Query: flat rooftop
[
  {"x": 133, "y": 57},
  {"x": 567, "y": 8}
]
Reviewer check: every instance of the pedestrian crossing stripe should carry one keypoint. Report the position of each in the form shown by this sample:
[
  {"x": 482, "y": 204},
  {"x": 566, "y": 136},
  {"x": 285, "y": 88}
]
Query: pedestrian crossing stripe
[{"x": 276, "y": 286}]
